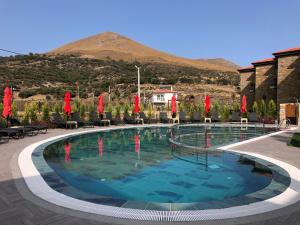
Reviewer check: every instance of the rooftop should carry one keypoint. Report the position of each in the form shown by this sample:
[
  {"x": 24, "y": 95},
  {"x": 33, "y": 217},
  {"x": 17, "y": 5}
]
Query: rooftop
[
  {"x": 164, "y": 91},
  {"x": 287, "y": 51},
  {"x": 246, "y": 69},
  {"x": 264, "y": 61}
]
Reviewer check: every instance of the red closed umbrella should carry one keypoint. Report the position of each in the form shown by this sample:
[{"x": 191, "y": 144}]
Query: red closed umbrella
[
  {"x": 67, "y": 107},
  {"x": 100, "y": 146},
  {"x": 136, "y": 104},
  {"x": 244, "y": 104},
  {"x": 207, "y": 104},
  {"x": 7, "y": 100},
  {"x": 100, "y": 104},
  {"x": 173, "y": 104},
  {"x": 68, "y": 153}
]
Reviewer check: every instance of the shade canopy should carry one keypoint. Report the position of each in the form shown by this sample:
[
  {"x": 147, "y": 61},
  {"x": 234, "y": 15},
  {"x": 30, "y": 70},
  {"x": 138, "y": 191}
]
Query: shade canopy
[
  {"x": 136, "y": 104},
  {"x": 100, "y": 104},
  {"x": 67, "y": 107},
  {"x": 173, "y": 104},
  {"x": 7, "y": 101},
  {"x": 207, "y": 104},
  {"x": 244, "y": 104}
]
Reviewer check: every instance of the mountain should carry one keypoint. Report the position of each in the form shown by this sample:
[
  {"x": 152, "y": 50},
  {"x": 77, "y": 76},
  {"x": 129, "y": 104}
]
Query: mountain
[{"x": 114, "y": 46}]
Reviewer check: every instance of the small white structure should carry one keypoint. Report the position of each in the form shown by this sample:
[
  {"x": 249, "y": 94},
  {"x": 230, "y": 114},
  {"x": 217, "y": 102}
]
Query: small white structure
[{"x": 163, "y": 96}]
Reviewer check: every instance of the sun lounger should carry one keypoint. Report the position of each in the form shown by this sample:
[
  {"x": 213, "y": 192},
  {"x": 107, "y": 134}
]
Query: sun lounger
[
  {"x": 163, "y": 118},
  {"x": 97, "y": 121},
  {"x": 58, "y": 121},
  {"x": 82, "y": 123},
  {"x": 182, "y": 117},
  {"x": 196, "y": 117}
]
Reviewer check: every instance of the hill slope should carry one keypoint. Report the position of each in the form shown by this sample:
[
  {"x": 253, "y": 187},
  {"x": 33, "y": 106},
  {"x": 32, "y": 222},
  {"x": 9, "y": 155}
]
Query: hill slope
[{"x": 111, "y": 45}]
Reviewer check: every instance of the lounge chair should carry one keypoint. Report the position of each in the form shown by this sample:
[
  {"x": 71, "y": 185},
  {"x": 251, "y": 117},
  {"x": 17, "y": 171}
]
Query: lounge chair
[
  {"x": 97, "y": 121},
  {"x": 215, "y": 116},
  {"x": 182, "y": 117},
  {"x": 82, "y": 123},
  {"x": 252, "y": 117},
  {"x": 12, "y": 133},
  {"x": 235, "y": 117},
  {"x": 58, "y": 121},
  {"x": 196, "y": 117},
  {"x": 147, "y": 119},
  {"x": 163, "y": 118},
  {"x": 113, "y": 121},
  {"x": 4, "y": 138},
  {"x": 36, "y": 128},
  {"x": 130, "y": 119}
]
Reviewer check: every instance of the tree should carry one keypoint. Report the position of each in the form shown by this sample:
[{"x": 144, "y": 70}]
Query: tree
[
  {"x": 45, "y": 112},
  {"x": 255, "y": 107},
  {"x": 272, "y": 108},
  {"x": 262, "y": 108}
]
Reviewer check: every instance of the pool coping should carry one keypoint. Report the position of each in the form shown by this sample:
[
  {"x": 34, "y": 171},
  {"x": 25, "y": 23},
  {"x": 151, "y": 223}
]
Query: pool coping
[{"x": 39, "y": 187}]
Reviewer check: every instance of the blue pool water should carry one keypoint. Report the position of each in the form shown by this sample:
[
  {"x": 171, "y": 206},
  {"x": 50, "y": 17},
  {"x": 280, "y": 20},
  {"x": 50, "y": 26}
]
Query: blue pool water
[{"x": 140, "y": 168}]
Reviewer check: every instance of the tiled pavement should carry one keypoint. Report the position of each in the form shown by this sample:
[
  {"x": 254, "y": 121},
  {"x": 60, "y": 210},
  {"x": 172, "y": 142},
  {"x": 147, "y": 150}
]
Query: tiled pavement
[{"x": 19, "y": 206}]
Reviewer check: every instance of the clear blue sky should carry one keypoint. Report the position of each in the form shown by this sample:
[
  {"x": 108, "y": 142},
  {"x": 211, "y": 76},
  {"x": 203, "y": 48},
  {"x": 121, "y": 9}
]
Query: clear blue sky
[{"x": 238, "y": 30}]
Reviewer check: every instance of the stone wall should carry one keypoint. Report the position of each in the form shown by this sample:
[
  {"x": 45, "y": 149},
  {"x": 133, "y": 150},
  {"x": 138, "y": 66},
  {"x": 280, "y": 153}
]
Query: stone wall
[
  {"x": 288, "y": 82},
  {"x": 266, "y": 82},
  {"x": 248, "y": 87}
]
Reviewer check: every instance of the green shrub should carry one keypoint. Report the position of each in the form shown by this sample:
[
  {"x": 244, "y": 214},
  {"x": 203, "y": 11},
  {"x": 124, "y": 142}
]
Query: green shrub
[
  {"x": 118, "y": 111},
  {"x": 14, "y": 110},
  {"x": 82, "y": 110},
  {"x": 200, "y": 109},
  {"x": 272, "y": 111},
  {"x": 255, "y": 107},
  {"x": 150, "y": 110},
  {"x": 33, "y": 112},
  {"x": 225, "y": 113},
  {"x": 110, "y": 108},
  {"x": 216, "y": 106},
  {"x": 262, "y": 108},
  {"x": 235, "y": 107},
  {"x": 45, "y": 112},
  {"x": 126, "y": 108}
]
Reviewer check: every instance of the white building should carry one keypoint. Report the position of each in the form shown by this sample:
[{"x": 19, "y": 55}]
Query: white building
[{"x": 163, "y": 96}]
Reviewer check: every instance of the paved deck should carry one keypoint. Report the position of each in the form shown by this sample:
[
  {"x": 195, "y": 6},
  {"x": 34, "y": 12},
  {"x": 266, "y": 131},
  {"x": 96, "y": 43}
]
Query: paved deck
[{"x": 19, "y": 206}]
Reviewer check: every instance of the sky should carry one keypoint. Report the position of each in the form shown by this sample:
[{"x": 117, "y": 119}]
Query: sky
[{"x": 238, "y": 30}]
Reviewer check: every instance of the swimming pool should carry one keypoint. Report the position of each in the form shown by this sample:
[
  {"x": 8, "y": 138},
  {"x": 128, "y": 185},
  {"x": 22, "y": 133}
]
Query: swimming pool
[{"x": 139, "y": 168}]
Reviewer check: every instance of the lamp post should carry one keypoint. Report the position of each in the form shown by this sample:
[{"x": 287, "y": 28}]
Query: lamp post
[{"x": 139, "y": 90}]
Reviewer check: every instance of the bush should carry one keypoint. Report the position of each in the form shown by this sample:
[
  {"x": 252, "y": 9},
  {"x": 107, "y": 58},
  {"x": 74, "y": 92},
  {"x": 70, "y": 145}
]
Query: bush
[
  {"x": 126, "y": 108},
  {"x": 150, "y": 110},
  {"x": 262, "y": 108},
  {"x": 118, "y": 111},
  {"x": 272, "y": 111},
  {"x": 14, "y": 110},
  {"x": 225, "y": 113},
  {"x": 82, "y": 110},
  {"x": 255, "y": 107},
  {"x": 45, "y": 112},
  {"x": 1, "y": 108}
]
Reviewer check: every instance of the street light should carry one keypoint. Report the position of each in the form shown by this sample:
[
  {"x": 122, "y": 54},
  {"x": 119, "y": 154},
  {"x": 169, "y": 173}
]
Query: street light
[{"x": 139, "y": 91}]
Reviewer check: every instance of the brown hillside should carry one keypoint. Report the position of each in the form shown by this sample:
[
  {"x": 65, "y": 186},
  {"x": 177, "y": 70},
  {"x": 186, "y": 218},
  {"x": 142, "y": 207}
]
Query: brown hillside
[{"x": 118, "y": 47}]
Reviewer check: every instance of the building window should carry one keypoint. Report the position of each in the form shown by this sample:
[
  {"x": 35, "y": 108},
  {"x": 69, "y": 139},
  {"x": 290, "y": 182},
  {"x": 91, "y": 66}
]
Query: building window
[{"x": 161, "y": 98}]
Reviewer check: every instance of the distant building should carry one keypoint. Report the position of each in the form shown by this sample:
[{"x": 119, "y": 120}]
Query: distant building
[{"x": 162, "y": 97}]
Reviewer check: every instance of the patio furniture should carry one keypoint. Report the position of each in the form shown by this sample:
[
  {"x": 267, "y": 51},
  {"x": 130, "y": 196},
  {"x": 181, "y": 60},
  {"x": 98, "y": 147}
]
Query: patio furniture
[
  {"x": 215, "y": 116},
  {"x": 163, "y": 118},
  {"x": 196, "y": 117},
  {"x": 252, "y": 117},
  {"x": 71, "y": 124},
  {"x": 12, "y": 133},
  {"x": 182, "y": 117},
  {"x": 147, "y": 119},
  {"x": 132, "y": 120},
  {"x": 244, "y": 120},
  {"x": 113, "y": 121},
  {"x": 58, "y": 121},
  {"x": 98, "y": 121},
  {"x": 82, "y": 123},
  {"x": 235, "y": 117},
  {"x": 207, "y": 120},
  {"x": 4, "y": 138},
  {"x": 36, "y": 128}
]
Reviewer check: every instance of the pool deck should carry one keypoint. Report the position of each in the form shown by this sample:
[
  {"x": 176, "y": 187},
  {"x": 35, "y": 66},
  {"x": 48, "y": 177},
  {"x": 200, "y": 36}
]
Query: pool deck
[{"x": 19, "y": 206}]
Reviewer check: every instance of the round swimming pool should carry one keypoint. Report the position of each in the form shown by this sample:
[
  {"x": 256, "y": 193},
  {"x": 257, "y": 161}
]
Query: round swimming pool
[{"x": 139, "y": 168}]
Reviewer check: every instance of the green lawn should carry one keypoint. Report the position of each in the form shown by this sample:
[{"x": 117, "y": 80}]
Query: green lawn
[{"x": 295, "y": 141}]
